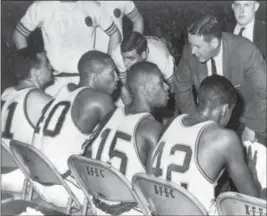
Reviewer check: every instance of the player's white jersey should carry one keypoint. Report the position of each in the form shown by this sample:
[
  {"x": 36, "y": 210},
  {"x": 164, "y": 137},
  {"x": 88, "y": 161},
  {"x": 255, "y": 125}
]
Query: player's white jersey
[
  {"x": 116, "y": 10},
  {"x": 56, "y": 134},
  {"x": 175, "y": 158},
  {"x": 15, "y": 122},
  {"x": 116, "y": 143},
  {"x": 158, "y": 54},
  {"x": 68, "y": 29}
]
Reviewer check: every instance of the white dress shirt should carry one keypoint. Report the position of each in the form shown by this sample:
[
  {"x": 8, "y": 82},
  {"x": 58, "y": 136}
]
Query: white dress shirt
[
  {"x": 218, "y": 62},
  {"x": 248, "y": 32}
]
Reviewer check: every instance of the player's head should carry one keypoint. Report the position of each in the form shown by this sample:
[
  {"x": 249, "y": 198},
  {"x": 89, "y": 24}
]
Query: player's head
[
  {"x": 98, "y": 70},
  {"x": 145, "y": 82},
  {"x": 245, "y": 11},
  {"x": 217, "y": 98},
  {"x": 134, "y": 49},
  {"x": 30, "y": 63},
  {"x": 204, "y": 36}
]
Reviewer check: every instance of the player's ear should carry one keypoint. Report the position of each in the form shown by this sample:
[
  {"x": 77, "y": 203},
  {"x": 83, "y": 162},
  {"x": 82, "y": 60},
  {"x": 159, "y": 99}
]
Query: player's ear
[
  {"x": 256, "y": 6},
  {"x": 144, "y": 54},
  {"x": 225, "y": 108},
  {"x": 215, "y": 42}
]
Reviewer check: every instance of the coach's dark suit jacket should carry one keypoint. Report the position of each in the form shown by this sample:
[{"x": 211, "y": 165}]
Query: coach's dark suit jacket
[
  {"x": 259, "y": 35},
  {"x": 243, "y": 65}
]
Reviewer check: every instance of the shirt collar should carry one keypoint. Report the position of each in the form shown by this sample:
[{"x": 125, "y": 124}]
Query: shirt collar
[{"x": 249, "y": 25}]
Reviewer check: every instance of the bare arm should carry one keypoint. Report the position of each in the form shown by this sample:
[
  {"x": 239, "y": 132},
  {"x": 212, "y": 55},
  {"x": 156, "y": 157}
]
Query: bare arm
[
  {"x": 237, "y": 167},
  {"x": 148, "y": 133},
  {"x": 135, "y": 16},
  {"x": 19, "y": 40},
  {"x": 115, "y": 39},
  {"x": 138, "y": 23}
]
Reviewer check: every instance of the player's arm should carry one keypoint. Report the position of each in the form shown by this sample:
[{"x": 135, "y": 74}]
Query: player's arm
[
  {"x": 35, "y": 102},
  {"x": 235, "y": 160},
  {"x": 28, "y": 23},
  {"x": 135, "y": 16},
  {"x": 148, "y": 133}
]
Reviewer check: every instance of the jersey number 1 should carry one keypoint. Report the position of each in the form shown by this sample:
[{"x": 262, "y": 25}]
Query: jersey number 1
[{"x": 11, "y": 109}]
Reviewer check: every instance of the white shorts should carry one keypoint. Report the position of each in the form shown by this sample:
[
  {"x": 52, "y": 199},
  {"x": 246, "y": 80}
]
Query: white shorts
[
  {"x": 57, "y": 194},
  {"x": 261, "y": 160},
  {"x": 13, "y": 181},
  {"x": 59, "y": 82}
]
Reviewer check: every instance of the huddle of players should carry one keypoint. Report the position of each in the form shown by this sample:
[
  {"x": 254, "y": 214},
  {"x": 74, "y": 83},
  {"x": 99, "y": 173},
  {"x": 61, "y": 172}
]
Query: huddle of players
[{"x": 192, "y": 150}]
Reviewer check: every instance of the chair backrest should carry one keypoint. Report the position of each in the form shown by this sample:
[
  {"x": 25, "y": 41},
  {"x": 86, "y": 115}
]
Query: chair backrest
[
  {"x": 161, "y": 197},
  {"x": 232, "y": 203},
  {"x": 37, "y": 168},
  {"x": 7, "y": 162},
  {"x": 100, "y": 179}
]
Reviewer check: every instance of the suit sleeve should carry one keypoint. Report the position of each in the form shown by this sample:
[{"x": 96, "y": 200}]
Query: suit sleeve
[
  {"x": 183, "y": 83},
  {"x": 33, "y": 18},
  {"x": 255, "y": 75}
]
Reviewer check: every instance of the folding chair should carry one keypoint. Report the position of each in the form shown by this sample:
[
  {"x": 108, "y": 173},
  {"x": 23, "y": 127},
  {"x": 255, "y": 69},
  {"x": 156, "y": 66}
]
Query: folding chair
[
  {"x": 161, "y": 197},
  {"x": 102, "y": 181},
  {"x": 37, "y": 168},
  {"x": 7, "y": 166},
  {"x": 233, "y": 203}
]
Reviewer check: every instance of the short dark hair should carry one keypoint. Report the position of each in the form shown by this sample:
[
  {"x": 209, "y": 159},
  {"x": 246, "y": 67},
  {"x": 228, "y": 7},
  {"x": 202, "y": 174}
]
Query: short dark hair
[
  {"x": 136, "y": 41},
  {"x": 207, "y": 26},
  {"x": 93, "y": 62},
  {"x": 24, "y": 60},
  {"x": 140, "y": 74},
  {"x": 216, "y": 90}
]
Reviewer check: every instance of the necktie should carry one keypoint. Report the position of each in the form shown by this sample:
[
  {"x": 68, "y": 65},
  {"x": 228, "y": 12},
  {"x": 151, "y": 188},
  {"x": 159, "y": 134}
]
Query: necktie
[
  {"x": 241, "y": 31},
  {"x": 213, "y": 67}
]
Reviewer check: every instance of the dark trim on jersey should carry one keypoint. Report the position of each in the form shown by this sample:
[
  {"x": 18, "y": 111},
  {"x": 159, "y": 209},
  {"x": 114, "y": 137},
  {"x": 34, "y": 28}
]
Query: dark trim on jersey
[
  {"x": 25, "y": 110},
  {"x": 23, "y": 30},
  {"x": 63, "y": 74},
  {"x": 165, "y": 127},
  {"x": 196, "y": 154},
  {"x": 135, "y": 141},
  {"x": 169, "y": 80},
  {"x": 97, "y": 131},
  {"x": 111, "y": 29},
  {"x": 132, "y": 14}
]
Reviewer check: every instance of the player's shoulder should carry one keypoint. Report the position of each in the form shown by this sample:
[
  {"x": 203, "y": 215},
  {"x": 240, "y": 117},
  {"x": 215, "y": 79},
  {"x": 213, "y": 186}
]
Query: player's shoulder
[
  {"x": 89, "y": 95},
  {"x": 37, "y": 94},
  {"x": 223, "y": 137},
  {"x": 149, "y": 125}
]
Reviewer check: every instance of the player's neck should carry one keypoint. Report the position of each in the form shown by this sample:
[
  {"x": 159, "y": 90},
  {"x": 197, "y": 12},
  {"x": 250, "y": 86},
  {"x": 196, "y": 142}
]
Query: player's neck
[
  {"x": 27, "y": 83},
  {"x": 137, "y": 107}
]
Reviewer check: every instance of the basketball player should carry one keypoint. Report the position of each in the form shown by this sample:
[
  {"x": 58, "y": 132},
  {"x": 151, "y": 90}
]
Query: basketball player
[
  {"x": 136, "y": 48},
  {"x": 117, "y": 10},
  {"x": 132, "y": 131},
  {"x": 68, "y": 30},
  {"x": 72, "y": 116},
  {"x": 22, "y": 105},
  {"x": 195, "y": 149}
]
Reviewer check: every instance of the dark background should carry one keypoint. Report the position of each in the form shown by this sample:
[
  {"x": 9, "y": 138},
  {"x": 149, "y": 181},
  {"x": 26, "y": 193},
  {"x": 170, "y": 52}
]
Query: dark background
[{"x": 161, "y": 17}]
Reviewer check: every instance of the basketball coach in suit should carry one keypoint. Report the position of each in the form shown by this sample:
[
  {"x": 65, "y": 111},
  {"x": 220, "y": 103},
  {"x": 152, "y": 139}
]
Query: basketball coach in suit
[
  {"x": 211, "y": 51},
  {"x": 247, "y": 25}
]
